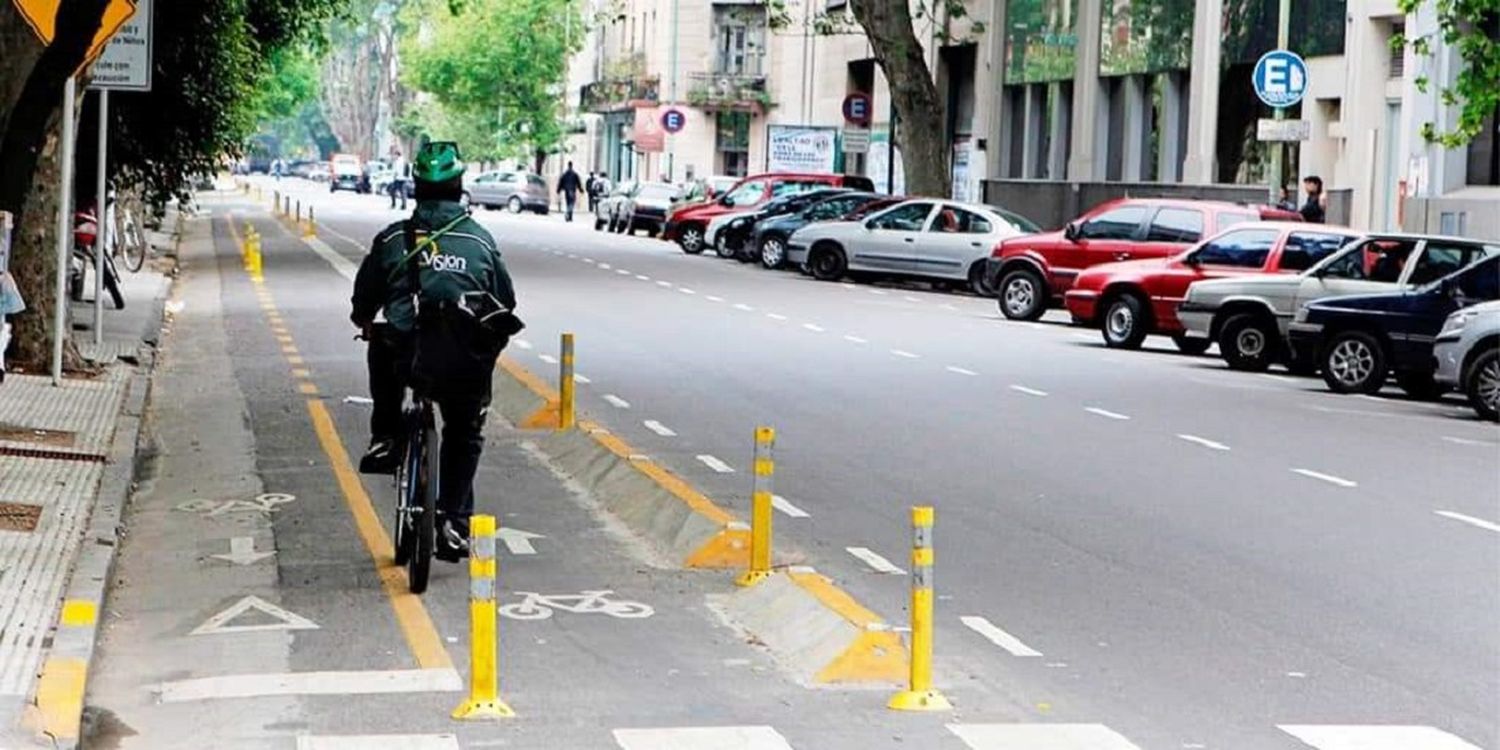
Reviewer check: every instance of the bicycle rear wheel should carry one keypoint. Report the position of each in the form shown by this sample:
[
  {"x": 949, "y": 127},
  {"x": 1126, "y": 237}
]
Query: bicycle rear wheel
[
  {"x": 407, "y": 497},
  {"x": 132, "y": 242},
  {"x": 420, "y": 565}
]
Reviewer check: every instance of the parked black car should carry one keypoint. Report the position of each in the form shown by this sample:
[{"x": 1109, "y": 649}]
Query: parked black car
[
  {"x": 733, "y": 240},
  {"x": 768, "y": 242},
  {"x": 1357, "y": 341}
]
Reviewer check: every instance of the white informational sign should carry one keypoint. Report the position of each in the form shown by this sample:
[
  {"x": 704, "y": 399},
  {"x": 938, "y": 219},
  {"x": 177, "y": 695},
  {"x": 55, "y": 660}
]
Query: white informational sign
[
  {"x": 878, "y": 164},
  {"x": 125, "y": 64},
  {"x": 962, "y": 151},
  {"x": 808, "y": 150},
  {"x": 1267, "y": 129},
  {"x": 856, "y": 140}
]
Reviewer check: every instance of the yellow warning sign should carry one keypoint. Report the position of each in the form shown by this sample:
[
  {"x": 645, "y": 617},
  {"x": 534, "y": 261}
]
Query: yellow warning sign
[{"x": 41, "y": 15}]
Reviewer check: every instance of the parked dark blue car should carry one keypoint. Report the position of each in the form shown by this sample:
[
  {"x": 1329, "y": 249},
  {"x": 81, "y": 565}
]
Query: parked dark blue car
[
  {"x": 768, "y": 243},
  {"x": 1358, "y": 341}
]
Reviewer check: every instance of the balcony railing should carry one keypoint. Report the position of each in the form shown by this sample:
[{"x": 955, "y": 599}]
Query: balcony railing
[
  {"x": 619, "y": 93},
  {"x": 729, "y": 91}
]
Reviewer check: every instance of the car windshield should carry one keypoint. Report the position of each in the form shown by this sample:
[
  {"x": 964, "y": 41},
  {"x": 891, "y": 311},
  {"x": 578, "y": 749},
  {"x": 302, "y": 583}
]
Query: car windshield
[{"x": 658, "y": 192}]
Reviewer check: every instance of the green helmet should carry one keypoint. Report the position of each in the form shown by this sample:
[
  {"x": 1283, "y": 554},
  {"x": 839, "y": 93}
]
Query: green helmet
[{"x": 437, "y": 161}]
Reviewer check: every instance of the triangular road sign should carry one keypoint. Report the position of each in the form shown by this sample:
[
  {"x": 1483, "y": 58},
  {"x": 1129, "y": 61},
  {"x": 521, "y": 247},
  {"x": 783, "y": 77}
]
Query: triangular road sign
[
  {"x": 41, "y": 15},
  {"x": 220, "y": 623}
]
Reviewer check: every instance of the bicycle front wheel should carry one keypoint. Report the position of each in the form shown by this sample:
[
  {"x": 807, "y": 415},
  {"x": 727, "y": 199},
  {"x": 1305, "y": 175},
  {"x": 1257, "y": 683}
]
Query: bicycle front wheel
[
  {"x": 420, "y": 565},
  {"x": 408, "y": 497},
  {"x": 132, "y": 243}
]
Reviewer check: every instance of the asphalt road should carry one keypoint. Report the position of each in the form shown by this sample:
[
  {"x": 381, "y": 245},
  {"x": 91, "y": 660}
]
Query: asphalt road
[{"x": 1190, "y": 556}]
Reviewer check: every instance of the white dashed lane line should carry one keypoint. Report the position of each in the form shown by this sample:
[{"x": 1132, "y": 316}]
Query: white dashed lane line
[
  {"x": 776, "y": 316},
  {"x": 856, "y": 340},
  {"x": 905, "y": 354},
  {"x": 581, "y": 379},
  {"x": 780, "y": 503},
  {"x": 605, "y": 266},
  {"x": 685, "y": 290},
  {"x": 643, "y": 277},
  {"x": 1329, "y": 478},
  {"x": 743, "y": 306},
  {"x": 876, "y": 562},
  {"x": 1468, "y": 441},
  {"x": 622, "y": 272},
  {"x": 664, "y": 284},
  {"x": 1028, "y": 391},
  {"x": 1107, "y": 414},
  {"x": 521, "y": 343},
  {"x": 659, "y": 428},
  {"x": 1472, "y": 521},
  {"x": 912, "y": 299},
  {"x": 548, "y": 358},
  {"x": 960, "y": 371},
  {"x": 715, "y": 464},
  {"x": 995, "y": 635},
  {"x": 814, "y": 327},
  {"x": 616, "y": 401},
  {"x": 712, "y": 298},
  {"x": 876, "y": 292},
  {"x": 1205, "y": 442}
]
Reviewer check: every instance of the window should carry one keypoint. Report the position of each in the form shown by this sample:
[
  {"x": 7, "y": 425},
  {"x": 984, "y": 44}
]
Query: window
[
  {"x": 1436, "y": 262},
  {"x": 856, "y": 182},
  {"x": 830, "y": 209},
  {"x": 1242, "y": 248},
  {"x": 1176, "y": 225},
  {"x": 906, "y": 218},
  {"x": 953, "y": 220},
  {"x": 509, "y": 177},
  {"x": 1304, "y": 249},
  {"x": 1375, "y": 260},
  {"x": 747, "y": 194},
  {"x": 732, "y": 141},
  {"x": 1114, "y": 224},
  {"x": 536, "y": 181},
  {"x": 1227, "y": 220},
  {"x": 1481, "y": 282}
]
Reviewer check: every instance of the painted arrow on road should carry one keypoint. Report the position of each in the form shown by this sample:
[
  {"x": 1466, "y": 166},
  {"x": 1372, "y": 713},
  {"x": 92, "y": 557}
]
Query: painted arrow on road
[
  {"x": 242, "y": 552},
  {"x": 518, "y": 541}
]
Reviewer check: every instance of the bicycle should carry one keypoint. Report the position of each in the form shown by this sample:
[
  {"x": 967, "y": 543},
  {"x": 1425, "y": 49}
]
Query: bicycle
[
  {"x": 417, "y": 489},
  {"x": 129, "y": 238}
]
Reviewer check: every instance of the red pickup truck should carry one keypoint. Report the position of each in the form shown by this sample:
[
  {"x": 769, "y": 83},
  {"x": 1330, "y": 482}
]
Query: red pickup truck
[
  {"x": 1129, "y": 300},
  {"x": 1033, "y": 272}
]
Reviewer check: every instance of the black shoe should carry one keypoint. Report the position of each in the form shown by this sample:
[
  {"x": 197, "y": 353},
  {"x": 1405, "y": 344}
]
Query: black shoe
[
  {"x": 452, "y": 542},
  {"x": 380, "y": 458}
]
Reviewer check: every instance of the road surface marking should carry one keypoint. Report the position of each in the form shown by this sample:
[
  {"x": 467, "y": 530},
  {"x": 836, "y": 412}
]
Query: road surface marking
[
  {"x": 949, "y": 306},
  {"x": 715, "y": 464},
  {"x": 1331, "y": 479},
  {"x": 776, "y": 316},
  {"x": 622, "y": 272},
  {"x": 521, "y": 343},
  {"x": 1107, "y": 414},
  {"x": 383, "y": 741},
  {"x": 743, "y": 306},
  {"x": 664, "y": 284},
  {"x": 875, "y": 561},
  {"x": 1041, "y": 737},
  {"x": 1374, "y": 737},
  {"x": 815, "y": 328},
  {"x": 961, "y": 370},
  {"x": 1472, "y": 521},
  {"x": 712, "y": 298},
  {"x": 548, "y": 358},
  {"x": 1277, "y": 378},
  {"x": 685, "y": 290},
  {"x": 659, "y": 428},
  {"x": 616, "y": 401},
  {"x": 444, "y": 680},
  {"x": 1205, "y": 442},
  {"x": 605, "y": 266},
  {"x": 1028, "y": 391},
  {"x": 876, "y": 291},
  {"x": 910, "y": 298},
  {"x": 581, "y": 379},
  {"x": 518, "y": 542},
  {"x": 848, "y": 285},
  {"x": 998, "y": 637},
  {"x": 285, "y": 620},
  {"x": 589, "y": 261},
  {"x": 342, "y": 265},
  {"x": 700, "y": 738},
  {"x": 242, "y": 552},
  {"x": 856, "y": 340},
  {"x": 1468, "y": 441},
  {"x": 1038, "y": 326},
  {"x": 906, "y": 354},
  {"x": 571, "y": 255},
  {"x": 643, "y": 277},
  {"x": 780, "y": 503}
]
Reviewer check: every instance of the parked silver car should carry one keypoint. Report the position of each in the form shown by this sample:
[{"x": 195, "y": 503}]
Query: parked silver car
[
  {"x": 1467, "y": 350},
  {"x": 646, "y": 208},
  {"x": 609, "y": 207},
  {"x": 516, "y": 191},
  {"x": 923, "y": 237}
]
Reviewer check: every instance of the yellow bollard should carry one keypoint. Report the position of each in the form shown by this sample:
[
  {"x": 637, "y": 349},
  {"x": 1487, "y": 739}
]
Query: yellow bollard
[
  {"x": 276, "y": 201},
  {"x": 484, "y": 679},
  {"x": 760, "y": 509},
  {"x": 566, "y": 413},
  {"x": 311, "y": 230},
  {"x": 920, "y": 695},
  {"x": 299, "y": 212}
]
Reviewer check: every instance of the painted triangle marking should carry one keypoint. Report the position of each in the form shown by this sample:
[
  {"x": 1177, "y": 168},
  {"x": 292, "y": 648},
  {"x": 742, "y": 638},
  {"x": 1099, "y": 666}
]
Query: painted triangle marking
[{"x": 219, "y": 623}]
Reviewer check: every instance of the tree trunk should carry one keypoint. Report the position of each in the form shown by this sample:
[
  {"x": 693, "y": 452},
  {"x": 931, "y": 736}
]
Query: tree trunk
[
  {"x": 920, "y": 135},
  {"x": 33, "y": 262}
]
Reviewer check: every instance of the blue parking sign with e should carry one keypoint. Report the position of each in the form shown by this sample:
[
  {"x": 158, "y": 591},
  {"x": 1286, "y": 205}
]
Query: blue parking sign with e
[
  {"x": 1280, "y": 78},
  {"x": 673, "y": 120}
]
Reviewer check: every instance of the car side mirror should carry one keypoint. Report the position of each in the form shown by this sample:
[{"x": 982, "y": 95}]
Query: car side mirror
[
  {"x": 1070, "y": 231},
  {"x": 1191, "y": 259},
  {"x": 869, "y": 224}
]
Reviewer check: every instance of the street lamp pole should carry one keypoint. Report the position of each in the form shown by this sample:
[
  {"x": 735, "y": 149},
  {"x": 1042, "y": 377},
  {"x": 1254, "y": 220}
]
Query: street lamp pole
[
  {"x": 672, "y": 94},
  {"x": 1278, "y": 148}
]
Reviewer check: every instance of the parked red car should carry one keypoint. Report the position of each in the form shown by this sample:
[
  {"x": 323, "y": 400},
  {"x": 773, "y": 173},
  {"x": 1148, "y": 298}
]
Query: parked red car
[
  {"x": 1033, "y": 273},
  {"x": 685, "y": 224},
  {"x": 1129, "y": 300}
]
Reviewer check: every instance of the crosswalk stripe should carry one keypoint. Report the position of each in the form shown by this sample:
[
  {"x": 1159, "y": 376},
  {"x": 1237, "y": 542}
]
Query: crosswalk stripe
[
  {"x": 381, "y": 741},
  {"x": 700, "y": 738},
  {"x": 1040, "y": 737},
  {"x": 1374, "y": 737}
]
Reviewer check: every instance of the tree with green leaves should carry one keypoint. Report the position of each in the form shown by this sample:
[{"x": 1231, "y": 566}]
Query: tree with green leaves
[
  {"x": 494, "y": 71},
  {"x": 1472, "y": 27}
]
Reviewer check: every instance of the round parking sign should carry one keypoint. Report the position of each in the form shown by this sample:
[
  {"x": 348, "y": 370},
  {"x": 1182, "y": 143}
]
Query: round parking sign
[
  {"x": 673, "y": 121},
  {"x": 1280, "y": 78},
  {"x": 857, "y": 109}
]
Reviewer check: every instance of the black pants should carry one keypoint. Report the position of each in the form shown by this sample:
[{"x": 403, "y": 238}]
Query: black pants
[
  {"x": 569, "y": 201},
  {"x": 463, "y": 402},
  {"x": 397, "y": 188}
]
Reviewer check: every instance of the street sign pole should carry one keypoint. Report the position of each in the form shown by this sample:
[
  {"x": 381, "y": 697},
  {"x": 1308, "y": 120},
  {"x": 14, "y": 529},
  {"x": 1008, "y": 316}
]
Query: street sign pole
[
  {"x": 101, "y": 192},
  {"x": 1278, "y": 153},
  {"x": 64, "y": 230}
]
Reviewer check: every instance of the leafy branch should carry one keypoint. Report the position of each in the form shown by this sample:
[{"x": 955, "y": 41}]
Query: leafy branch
[{"x": 1469, "y": 27}]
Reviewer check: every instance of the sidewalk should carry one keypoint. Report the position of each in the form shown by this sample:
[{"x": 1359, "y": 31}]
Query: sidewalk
[{"x": 67, "y": 460}]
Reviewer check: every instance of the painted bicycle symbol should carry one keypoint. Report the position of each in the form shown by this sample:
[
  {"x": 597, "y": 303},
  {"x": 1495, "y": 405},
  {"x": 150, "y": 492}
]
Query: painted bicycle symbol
[{"x": 534, "y": 606}]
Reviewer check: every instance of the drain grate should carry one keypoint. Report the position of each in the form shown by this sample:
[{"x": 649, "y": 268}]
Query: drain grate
[
  {"x": 19, "y": 516},
  {"x": 23, "y": 452}
]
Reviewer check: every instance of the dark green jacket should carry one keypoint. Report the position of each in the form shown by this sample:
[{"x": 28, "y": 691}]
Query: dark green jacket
[{"x": 464, "y": 259}]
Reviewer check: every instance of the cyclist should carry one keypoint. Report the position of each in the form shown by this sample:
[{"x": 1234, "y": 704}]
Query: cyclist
[{"x": 447, "y": 301}]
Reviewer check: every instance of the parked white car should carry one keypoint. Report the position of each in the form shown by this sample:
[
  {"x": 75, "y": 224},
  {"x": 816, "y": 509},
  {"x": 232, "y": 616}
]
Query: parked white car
[
  {"x": 1468, "y": 356},
  {"x": 923, "y": 237}
]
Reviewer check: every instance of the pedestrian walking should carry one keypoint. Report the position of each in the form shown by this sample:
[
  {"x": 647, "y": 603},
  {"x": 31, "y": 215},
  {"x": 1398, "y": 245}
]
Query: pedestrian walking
[
  {"x": 568, "y": 186},
  {"x": 400, "y": 172},
  {"x": 590, "y": 188}
]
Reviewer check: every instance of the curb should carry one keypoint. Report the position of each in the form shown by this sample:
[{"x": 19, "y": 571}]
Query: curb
[
  {"x": 814, "y": 628},
  {"x": 56, "y": 715}
]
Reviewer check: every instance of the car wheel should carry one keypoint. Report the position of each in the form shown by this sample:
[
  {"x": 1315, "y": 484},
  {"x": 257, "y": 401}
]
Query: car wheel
[
  {"x": 828, "y": 264},
  {"x": 1249, "y": 342},
  {"x": 773, "y": 252},
  {"x": 1354, "y": 362},
  {"x": 1419, "y": 385},
  {"x": 1190, "y": 345},
  {"x": 514, "y": 204},
  {"x": 722, "y": 248},
  {"x": 1482, "y": 385},
  {"x": 1022, "y": 295},
  {"x": 1125, "y": 322},
  {"x": 691, "y": 239}
]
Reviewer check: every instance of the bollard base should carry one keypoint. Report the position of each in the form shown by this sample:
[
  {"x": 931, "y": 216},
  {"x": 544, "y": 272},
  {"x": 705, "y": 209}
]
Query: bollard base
[
  {"x": 919, "y": 700},
  {"x": 480, "y": 710},
  {"x": 751, "y": 577}
]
